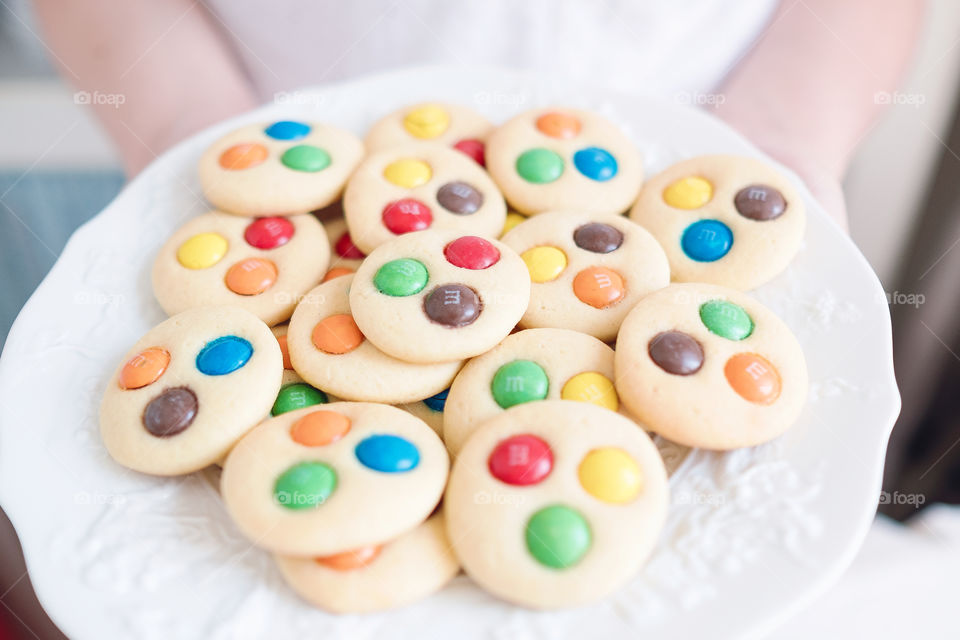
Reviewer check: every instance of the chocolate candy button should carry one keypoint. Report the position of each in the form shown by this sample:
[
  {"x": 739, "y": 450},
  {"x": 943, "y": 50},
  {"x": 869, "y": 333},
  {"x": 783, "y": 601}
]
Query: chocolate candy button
[
  {"x": 521, "y": 460},
  {"x": 428, "y": 121},
  {"x": 610, "y": 474},
  {"x": 251, "y": 276},
  {"x": 401, "y": 277},
  {"x": 599, "y": 287},
  {"x": 474, "y": 149},
  {"x": 760, "y": 202},
  {"x": 337, "y": 334},
  {"x": 202, "y": 250},
  {"x": 243, "y": 156},
  {"x": 388, "y": 453},
  {"x": 706, "y": 240},
  {"x": 319, "y": 428},
  {"x": 539, "y": 166},
  {"x": 437, "y": 402},
  {"x": 558, "y": 537},
  {"x": 305, "y": 485},
  {"x": 559, "y": 125},
  {"x": 518, "y": 382},
  {"x": 676, "y": 353},
  {"x": 268, "y": 233},
  {"x": 224, "y": 355},
  {"x": 726, "y": 319},
  {"x": 144, "y": 368},
  {"x": 595, "y": 163},
  {"x": 452, "y": 305},
  {"x": 408, "y": 173},
  {"x": 471, "y": 252},
  {"x": 305, "y": 157},
  {"x": 297, "y": 396},
  {"x": 753, "y": 377},
  {"x": 459, "y": 197},
  {"x": 406, "y": 215},
  {"x": 350, "y": 560},
  {"x": 287, "y": 130},
  {"x": 346, "y": 249},
  {"x": 171, "y": 412},
  {"x": 598, "y": 237}
]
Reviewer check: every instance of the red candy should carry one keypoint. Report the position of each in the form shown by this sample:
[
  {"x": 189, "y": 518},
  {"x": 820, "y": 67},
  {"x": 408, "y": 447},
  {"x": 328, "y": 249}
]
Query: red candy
[
  {"x": 404, "y": 216},
  {"x": 471, "y": 252},
  {"x": 474, "y": 149},
  {"x": 268, "y": 233},
  {"x": 346, "y": 249},
  {"x": 521, "y": 460}
]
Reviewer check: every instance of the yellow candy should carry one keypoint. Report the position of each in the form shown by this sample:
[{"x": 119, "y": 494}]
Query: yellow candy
[
  {"x": 408, "y": 173},
  {"x": 428, "y": 121},
  {"x": 610, "y": 475},
  {"x": 544, "y": 263},
  {"x": 591, "y": 387},
  {"x": 202, "y": 250},
  {"x": 513, "y": 219},
  {"x": 691, "y": 192}
]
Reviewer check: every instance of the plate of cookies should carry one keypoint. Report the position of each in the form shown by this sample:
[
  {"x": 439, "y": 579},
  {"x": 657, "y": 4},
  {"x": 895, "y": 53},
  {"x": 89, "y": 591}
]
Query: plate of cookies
[{"x": 448, "y": 351}]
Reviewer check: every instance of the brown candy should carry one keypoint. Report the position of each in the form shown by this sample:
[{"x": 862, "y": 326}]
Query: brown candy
[
  {"x": 452, "y": 305},
  {"x": 676, "y": 352},
  {"x": 171, "y": 412},
  {"x": 760, "y": 202},
  {"x": 598, "y": 237},
  {"x": 459, "y": 197}
]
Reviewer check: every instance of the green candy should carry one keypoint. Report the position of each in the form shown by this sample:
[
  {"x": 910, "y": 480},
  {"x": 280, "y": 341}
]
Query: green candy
[
  {"x": 305, "y": 485},
  {"x": 539, "y": 166},
  {"x": 402, "y": 277},
  {"x": 297, "y": 396},
  {"x": 518, "y": 382},
  {"x": 558, "y": 537},
  {"x": 305, "y": 157},
  {"x": 726, "y": 319}
]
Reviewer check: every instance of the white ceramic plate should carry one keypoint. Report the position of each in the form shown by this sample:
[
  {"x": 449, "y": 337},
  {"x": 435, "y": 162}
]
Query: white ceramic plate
[{"x": 752, "y": 537}]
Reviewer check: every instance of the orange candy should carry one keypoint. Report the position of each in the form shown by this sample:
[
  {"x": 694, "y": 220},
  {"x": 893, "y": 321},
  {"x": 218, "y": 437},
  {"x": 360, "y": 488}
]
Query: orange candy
[
  {"x": 144, "y": 368},
  {"x": 285, "y": 352},
  {"x": 251, "y": 276},
  {"x": 753, "y": 377},
  {"x": 353, "y": 559},
  {"x": 319, "y": 428},
  {"x": 336, "y": 272},
  {"x": 599, "y": 287},
  {"x": 243, "y": 156},
  {"x": 337, "y": 334},
  {"x": 559, "y": 125}
]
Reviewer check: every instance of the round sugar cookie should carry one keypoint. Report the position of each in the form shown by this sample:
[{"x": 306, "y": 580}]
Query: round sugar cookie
[
  {"x": 727, "y": 220},
  {"x": 323, "y": 480},
  {"x": 295, "y": 392},
  {"x": 439, "y": 296},
  {"x": 530, "y": 365},
  {"x": 345, "y": 258},
  {"x": 556, "y": 504},
  {"x": 416, "y": 187},
  {"x": 279, "y": 168},
  {"x": 378, "y": 577},
  {"x": 560, "y": 159},
  {"x": 189, "y": 389},
  {"x": 707, "y": 366},
  {"x": 451, "y": 125},
  {"x": 331, "y": 353},
  {"x": 430, "y": 410},
  {"x": 262, "y": 265},
  {"x": 587, "y": 270}
]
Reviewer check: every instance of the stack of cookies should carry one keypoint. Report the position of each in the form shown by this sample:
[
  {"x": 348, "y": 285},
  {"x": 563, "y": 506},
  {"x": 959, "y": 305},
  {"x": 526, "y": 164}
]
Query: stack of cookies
[{"x": 444, "y": 346}]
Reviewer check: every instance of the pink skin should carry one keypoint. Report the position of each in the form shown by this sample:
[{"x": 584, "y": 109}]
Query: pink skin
[{"x": 804, "y": 92}]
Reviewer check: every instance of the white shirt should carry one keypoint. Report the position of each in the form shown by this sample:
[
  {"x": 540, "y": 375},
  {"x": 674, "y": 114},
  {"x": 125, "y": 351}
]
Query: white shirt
[{"x": 658, "y": 47}]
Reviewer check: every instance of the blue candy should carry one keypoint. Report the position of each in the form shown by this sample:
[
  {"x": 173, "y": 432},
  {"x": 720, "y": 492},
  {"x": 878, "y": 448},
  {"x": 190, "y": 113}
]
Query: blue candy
[
  {"x": 224, "y": 355},
  {"x": 287, "y": 130},
  {"x": 390, "y": 454},
  {"x": 706, "y": 240},
  {"x": 595, "y": 163},
  {"x": 437, "y": 402}
]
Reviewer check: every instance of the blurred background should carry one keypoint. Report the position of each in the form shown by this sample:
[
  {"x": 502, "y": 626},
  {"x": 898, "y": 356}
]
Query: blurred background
[{"x": 57, "y": 169}]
